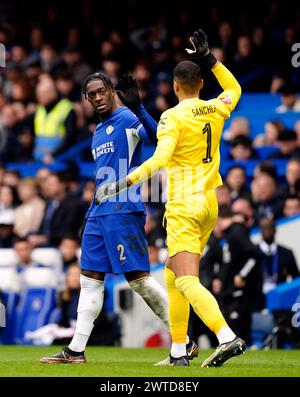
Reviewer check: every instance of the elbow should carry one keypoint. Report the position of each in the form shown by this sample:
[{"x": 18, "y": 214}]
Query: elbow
[{"x": 239, "y": 90}]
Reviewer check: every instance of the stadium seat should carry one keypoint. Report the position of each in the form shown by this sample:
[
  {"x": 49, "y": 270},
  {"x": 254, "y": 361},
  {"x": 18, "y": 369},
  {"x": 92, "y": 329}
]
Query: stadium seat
[
  {"x": 250, "y": 166},
  {"x": 8, "y": 257},
  {"x": 10, "y": 300},
  {"x": 40, "y": 277},
  {"x": 33, "y": 311},
  {"x": 55, "y": 316},
  {"x": 261, "y": 326},
  {"x": 251, "y": 102},
  {"x": 49, "y": 257},
  {"x": 265, "y": 152},
  {"x": 9, "y": 280},
  {"x": 283, "y": 296}
]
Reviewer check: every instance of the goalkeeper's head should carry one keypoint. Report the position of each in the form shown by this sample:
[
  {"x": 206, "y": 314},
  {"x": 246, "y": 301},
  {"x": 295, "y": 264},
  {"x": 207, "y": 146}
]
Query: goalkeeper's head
[{"x": 187, "y": 81}]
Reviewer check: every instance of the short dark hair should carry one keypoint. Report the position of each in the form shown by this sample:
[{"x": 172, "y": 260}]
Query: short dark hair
[
  {"x": 268, "y": 167},
  {"x": 241, "y": 140},
  {"x": 20, "y": 240},
  {"x": 97, "y": 76},
  {"x": 72, "y": 237},
  {"x": 237, "y": 167},
  {"x": 188, "y": 74},
  {"x": 225, "y": 211}
]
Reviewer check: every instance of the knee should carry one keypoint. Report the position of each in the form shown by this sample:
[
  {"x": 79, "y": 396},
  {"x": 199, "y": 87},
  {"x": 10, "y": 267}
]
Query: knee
[
  {"x": 135, "y": 275},
  {"x": 93, "y": 275},
  {"x": 185, "y": 283},
  {"x": 91, "y": 295}
]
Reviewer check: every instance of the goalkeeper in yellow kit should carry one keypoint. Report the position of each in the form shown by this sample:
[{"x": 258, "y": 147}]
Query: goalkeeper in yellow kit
[{"x": 188, "y": 147}]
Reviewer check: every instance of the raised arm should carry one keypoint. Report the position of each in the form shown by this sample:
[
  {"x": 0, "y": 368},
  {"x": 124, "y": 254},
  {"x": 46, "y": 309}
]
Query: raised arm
[
  {"x": 128, "y": 93},
  {"x": 201, "y": 54}
]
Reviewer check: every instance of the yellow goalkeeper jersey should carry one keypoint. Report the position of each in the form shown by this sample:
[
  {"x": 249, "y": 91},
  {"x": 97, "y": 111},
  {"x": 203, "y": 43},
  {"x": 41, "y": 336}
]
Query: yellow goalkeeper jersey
[{"x": 189, "y": 138}]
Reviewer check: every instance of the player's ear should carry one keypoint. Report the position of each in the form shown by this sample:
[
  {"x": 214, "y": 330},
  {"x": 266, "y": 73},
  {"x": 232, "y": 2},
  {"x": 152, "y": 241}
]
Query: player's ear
[
  {"x": 201, "y": 84},
  {"x": 175, "y": 86}
]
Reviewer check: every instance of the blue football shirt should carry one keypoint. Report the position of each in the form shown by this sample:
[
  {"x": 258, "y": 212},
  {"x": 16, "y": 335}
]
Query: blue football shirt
[{"x": 117, "y": 149}]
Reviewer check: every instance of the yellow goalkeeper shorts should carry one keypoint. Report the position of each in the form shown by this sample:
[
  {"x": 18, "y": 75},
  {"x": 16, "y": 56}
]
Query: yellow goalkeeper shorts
[{"x": 190, "y": 222}]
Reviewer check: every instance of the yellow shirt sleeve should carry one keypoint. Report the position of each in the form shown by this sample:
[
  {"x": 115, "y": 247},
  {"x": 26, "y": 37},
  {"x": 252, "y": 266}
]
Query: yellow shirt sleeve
[
  {"x": 168, "y": 132},
  {"x": 232, "y": 91}
]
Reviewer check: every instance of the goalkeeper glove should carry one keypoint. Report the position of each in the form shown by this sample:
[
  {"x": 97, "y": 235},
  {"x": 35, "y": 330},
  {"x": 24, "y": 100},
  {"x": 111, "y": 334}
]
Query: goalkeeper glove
[
  {"x": 110, "y": 189},
  {"x": 127, "y": 91},
  {"x": 201, "y": 50}
]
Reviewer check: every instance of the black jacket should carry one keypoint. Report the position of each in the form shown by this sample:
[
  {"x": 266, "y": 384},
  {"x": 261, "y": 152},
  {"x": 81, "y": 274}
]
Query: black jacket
[
  {"x": 280, "y": 264},
  {"x": 67, "y": 219},
  {"x": 241, "y": 257}
]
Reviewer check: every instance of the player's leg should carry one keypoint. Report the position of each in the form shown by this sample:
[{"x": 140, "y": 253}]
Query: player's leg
[
  {"x": 150, "y": 291},
  {"x": 89, "y": 307},
  {"x": 185, "y": 264},
  {"x": 94, "y": 265}
]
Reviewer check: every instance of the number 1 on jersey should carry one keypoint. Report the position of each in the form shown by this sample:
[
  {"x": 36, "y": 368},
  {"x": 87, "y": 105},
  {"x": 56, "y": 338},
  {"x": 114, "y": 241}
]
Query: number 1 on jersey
[{"x": 207, "y": 130}]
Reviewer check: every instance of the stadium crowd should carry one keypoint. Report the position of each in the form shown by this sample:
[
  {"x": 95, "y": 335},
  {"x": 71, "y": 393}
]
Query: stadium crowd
[{"x": 43, "y": 114}]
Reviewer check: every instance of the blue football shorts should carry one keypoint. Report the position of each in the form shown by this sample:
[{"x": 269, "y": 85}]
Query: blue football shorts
[{"x": 115, "y": 244}]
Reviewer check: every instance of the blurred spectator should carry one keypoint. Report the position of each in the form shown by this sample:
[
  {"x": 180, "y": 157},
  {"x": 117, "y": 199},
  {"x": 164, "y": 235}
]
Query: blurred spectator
[
  {"x": 291, "y": 206},
  {"x": 265, "y": 167},
  {"x": 297, "y": 130},
  {"x": 153, "y": 229},
  {"x": 240, "y": 275},
  {"x": 41, "y": 176},
  {"x": 272, "y": 129},
  {"x": 244, "y": 61},
  {"x": 69, "y": 247},
  {"x": 12, "y": 178},
  {"x": 111, "y": 67},
  {"x": 153, "y": 251},
  {"x": 66, "y": 86},
  {"x": 64, "y": 213},
  {"x": 288, "y": 147},
  {"x": 241, "y": 149},
  {"x": 29, "y": 214},
  {"x": 88, "y": 193},
  {"x": 223, "y": 195},
  {"x": 23, "y": 250},
  {"x": 289, "y": 98},
  {"x": 8, "y": 200},
  {"x": 72, "y": 58},
  {"x": 279, "y": 264},
  {"x": 219, "y": 53},
  {"x": 6, "y": 229},
  {"x": 243, "y": 207},
  {"x": 63, "y": 331},
  {"x": 292, "y": 175},
  {"x": 226, "y": 37},
  {"x": 236, "y": 181},
  {"x": 238, "y": 126},
  {"x": 54, "y": 122},
  {"x": 50, "y": 61},
  {"x": 267, "y": 202}
]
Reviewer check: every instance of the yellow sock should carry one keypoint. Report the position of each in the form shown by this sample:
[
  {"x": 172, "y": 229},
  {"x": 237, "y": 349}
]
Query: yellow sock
[
  {"x": 179, "y": 309},
  {"x": 202, "y": 301}
]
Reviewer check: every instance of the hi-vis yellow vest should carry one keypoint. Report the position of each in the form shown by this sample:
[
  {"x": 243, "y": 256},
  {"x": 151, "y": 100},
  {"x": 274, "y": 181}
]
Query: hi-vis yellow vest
[{"x": 49, "y": 128}]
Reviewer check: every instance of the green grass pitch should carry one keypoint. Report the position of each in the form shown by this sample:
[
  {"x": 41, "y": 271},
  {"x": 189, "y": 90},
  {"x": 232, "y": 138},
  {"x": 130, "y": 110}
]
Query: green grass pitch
[{"x": 114, "y": 361}]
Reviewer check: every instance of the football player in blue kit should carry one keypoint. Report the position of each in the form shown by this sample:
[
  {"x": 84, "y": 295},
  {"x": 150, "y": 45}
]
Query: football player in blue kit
[{"x": 114, "y": 238}]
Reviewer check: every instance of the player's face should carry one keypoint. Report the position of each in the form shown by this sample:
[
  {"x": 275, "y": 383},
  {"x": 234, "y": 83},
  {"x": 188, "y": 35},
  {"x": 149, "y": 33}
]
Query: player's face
[{"x": 101, "y": 98}]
